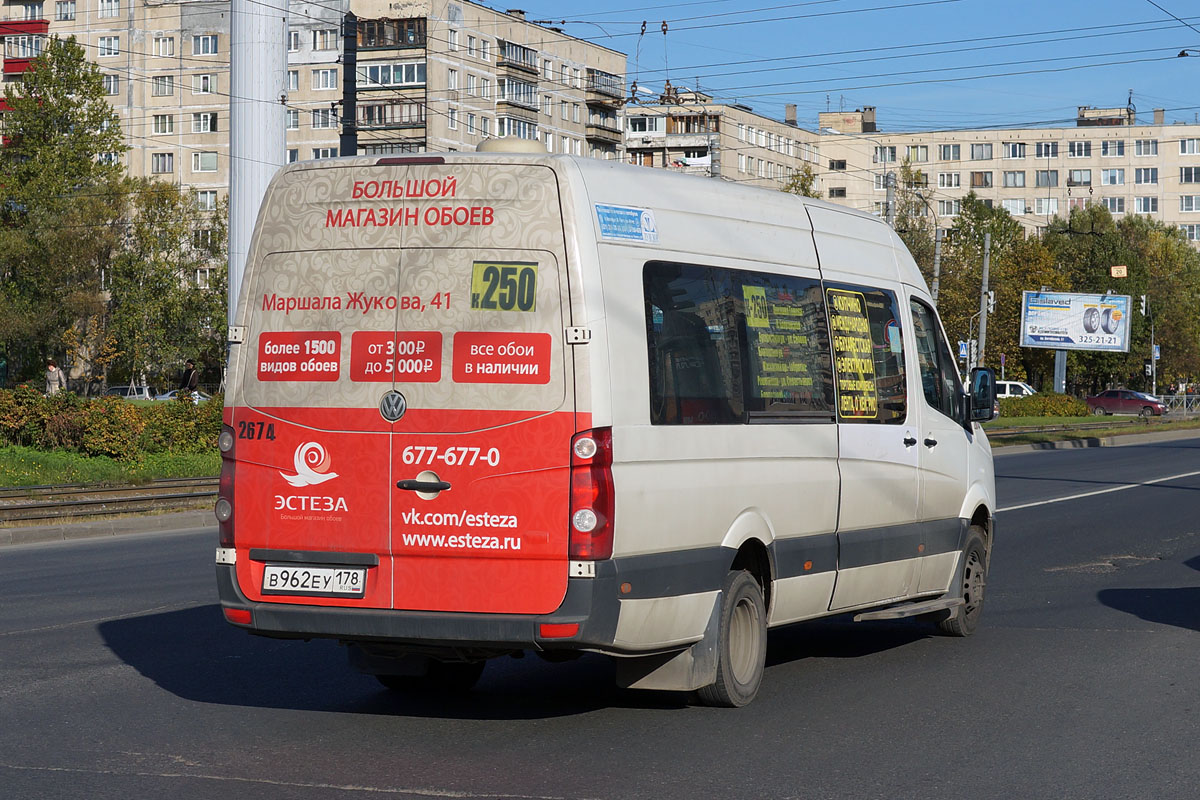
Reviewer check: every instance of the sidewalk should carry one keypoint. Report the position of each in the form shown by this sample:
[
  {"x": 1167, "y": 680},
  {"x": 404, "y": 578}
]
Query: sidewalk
[{"x": 1120, "y": 440}]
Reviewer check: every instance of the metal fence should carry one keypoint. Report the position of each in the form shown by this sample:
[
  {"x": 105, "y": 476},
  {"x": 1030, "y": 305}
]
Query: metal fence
[{"x": 1183, "y": 404}]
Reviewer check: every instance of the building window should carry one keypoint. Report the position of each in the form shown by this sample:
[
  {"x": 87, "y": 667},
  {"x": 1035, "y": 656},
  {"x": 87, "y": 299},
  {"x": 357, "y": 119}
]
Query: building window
[
  {"x": 1014, "y": 179},
  {"x": 205, "y": 45},
  {"x": 472, "y": 86},
  {"x": 108, "y": 46},
  {"x": 164, "y": 45},
  {"x": 293, "y": 155},
  {"x": 325, "y": 78},
  {"x": 204, "y": 84},
  {"x": 1046, "y": 177},
  {"x": 1145, "y": 205},
  {"x": 981, "y": 180},
  {"x": 1112, "y": 177},
  {"x": 485, "y": 50},
  {"x": 452, "y": 40},
  {"x": 293, "y": 41},
  {"x": 204, "y": 162},
  {"x": 452, "y": 119},
  {"x": 471, "y": 46},
  {"x": 324, "y": 152},
  {"x": 1079, "y": 150},
  {"x": 373, "y": 76},
  {"x": 884, "y": 154},
  {"x": 206, "y": 121},
  {"x": 1015, "y": 207},
  {"x": 981, "y": 152},
  {"x": 164, "y": 123},
  {"x": 1079, "y": 177},
  {"x": 325, "y": 39},
  {"x": 1189, "y": 147},
  {"x": 949, "y": 180},
  {"x": 949, "y": 208},
  {"x": 485, "y": 87},
  {"x": 1046, "y": 206},
  {"x": 575, "y": 112},
  {"x": 837, "y": 164},
  {"x": 471, "y": 124},
  {"x": 452, "y": 79},
  {"x": 949, "y": 152},
  {"x": 112, "y": 84},
  {"x": 518, "y": 128},
  {"x": 1189, "y": 203},
  {"x": 1013, "y": 150},
  {"x": 109, "y": 8},
  {"x": 1189, "y": 174},
  {"x": 1145, "y": 175},
  {"x": 485, "y": 126},
  {"x": 64, "y": 10},
  {"x": 292, "y": 116},
  {"x": 1115, "y": 205},
  {"x": 293, "y": 80},
  {"x": 1145, "y": 147},
  {"x": 323, "y": 118},
  {"x": 162, "y": 163},
  {"x": 1112, "y": 148},
  {"x": 881, "y": 182},
  {"x": 206, "y": 200},
  {"x": 162, "y": 85},
  {"x": 917, "y": 152},
  {"x": 1049, "y": 149},
  {"x": 1191, "y": 232},
  {"x": 837, "y": 193}
]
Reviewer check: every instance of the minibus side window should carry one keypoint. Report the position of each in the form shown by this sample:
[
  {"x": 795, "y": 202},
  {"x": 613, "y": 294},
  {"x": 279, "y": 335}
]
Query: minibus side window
[
  {"x": 939, "y": 376},
  {"x": 691, "y": 334},
  {"x": 785, "y": 349},
  {"x": 868, "y": 354}
]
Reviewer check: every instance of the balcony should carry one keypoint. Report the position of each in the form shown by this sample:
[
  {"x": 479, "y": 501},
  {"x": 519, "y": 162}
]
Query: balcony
[
  {"x": 603, "y": 88},
  {"x": 395, "y": 115},
  {"x": 516, "y": 58},
  {"x": 606, "y": 132},
  {"x": 23, "y": 42}
]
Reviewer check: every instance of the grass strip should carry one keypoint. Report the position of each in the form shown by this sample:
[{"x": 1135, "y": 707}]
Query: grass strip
[{"x": 26, "y": 466}]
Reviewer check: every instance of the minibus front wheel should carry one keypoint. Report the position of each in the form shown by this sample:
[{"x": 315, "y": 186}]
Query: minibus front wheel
[{"x": 741, "y": 643}]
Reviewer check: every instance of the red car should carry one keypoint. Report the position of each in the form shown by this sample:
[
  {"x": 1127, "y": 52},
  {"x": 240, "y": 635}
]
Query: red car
[{"x": 1125, "y": 401}]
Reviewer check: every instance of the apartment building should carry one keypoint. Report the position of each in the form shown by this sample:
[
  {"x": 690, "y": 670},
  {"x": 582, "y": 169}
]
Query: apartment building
[
  {"x": 435, "y": 75},
  {"x": 1107, "y": 157},
  {"x": 688, "y": 132}
]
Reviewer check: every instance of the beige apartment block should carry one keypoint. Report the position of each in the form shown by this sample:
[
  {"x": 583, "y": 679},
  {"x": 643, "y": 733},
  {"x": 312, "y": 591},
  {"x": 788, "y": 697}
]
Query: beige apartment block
[
  {"x": 1035, "y": 174},
  {"x": 444, "y": 76},
  {"x": 688, "y": 132},
  {"x": 433, "y": 75}
]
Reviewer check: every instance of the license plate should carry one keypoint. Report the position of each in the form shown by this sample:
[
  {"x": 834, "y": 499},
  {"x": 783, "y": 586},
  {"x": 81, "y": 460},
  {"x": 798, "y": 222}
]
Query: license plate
[{"x": 315, "y": 581}]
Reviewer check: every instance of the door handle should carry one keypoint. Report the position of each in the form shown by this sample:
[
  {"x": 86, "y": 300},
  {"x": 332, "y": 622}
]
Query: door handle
[
  {"x": 422, "y": 486},
  {"x": 909, "y": 441},
  {"x": 930, "y": 442}
]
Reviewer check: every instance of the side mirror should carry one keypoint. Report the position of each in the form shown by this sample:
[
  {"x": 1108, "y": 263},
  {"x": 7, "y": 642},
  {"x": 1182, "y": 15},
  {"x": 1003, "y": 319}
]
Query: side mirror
[{"x": 982, "y": 405}]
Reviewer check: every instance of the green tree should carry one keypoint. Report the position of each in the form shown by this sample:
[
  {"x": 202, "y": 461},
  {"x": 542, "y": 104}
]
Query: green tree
[
  {"x": 803, "y": 182},
  {"x": 167, "y": 285},
  {"x": 915, "y": 223},
  {"x": 60, "y": 202}
]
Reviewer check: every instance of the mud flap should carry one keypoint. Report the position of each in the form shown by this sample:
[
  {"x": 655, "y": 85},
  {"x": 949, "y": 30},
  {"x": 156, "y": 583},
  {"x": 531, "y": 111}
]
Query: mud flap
[{"x": 682, "y": 671}]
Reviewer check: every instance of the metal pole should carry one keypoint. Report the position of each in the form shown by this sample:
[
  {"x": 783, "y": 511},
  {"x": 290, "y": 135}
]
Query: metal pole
[
  {"x": 348, "y": 142},
  {"x": 1060, "y": 371},
  {"x": 937, "y": 262},
  {"x": 1153, "y": 359},
  {"x": 889, "y": 180},
  {"x": 983, "y": 297}
]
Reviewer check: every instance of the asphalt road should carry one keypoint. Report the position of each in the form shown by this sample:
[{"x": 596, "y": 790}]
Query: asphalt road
[{"x": 118, "y": 679}]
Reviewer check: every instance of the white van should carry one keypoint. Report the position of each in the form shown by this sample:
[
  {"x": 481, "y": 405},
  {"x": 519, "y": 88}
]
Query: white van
[
  {"x": 487, "y": 403},
  {"x": 1013, "y": 389}
]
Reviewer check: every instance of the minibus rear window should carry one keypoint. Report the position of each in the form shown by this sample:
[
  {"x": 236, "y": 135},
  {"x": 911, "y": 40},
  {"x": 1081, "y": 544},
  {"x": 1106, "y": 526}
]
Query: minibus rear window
[{"x": 732, "y": 347}]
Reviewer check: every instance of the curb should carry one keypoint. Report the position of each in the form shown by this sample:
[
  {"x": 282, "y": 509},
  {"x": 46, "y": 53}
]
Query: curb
[
  {"x": 1120, "y": 440},
  {"x": 117, "y": 526}
]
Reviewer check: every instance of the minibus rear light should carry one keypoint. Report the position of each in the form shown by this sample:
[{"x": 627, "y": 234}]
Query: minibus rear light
[
  {"x": 224, "y": 507},
  {"x": 555, "y": 630},
  {"x": 592, "y": 497},
  {"x": 400, "y": 161},
  {"x": 238, "y": 616}
]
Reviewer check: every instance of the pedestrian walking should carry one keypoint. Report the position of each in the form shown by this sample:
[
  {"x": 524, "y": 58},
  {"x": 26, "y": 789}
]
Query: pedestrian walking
[
  {"x": 55, "y": 380},
  {"x": 190, "y": 380}
]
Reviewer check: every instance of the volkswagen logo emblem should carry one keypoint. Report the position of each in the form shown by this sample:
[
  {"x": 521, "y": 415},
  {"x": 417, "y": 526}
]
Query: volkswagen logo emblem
[{"x": 392, "y": 406}]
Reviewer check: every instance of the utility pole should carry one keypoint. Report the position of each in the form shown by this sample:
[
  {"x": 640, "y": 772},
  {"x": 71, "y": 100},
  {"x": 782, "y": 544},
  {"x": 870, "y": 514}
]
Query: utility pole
[
  {"x": 983, "y": 297},
  {"x": 889, "y": 180},
  {"x": 937, "y": 262},
  {"x": 348, "y": 142}
]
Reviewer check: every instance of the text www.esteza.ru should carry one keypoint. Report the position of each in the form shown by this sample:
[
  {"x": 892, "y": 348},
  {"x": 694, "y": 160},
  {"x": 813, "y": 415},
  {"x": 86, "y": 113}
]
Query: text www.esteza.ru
[{"x": 459, "y": 519}]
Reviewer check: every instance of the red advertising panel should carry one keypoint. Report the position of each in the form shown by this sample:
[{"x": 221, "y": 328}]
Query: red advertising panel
[
  {"x": 502, "y": 357},
  {"x": 299, "y": 356},
  {"x": 386, "y": 356}
]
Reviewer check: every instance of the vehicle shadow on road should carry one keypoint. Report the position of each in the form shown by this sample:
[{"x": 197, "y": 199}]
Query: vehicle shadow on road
[{"x": 1178, "y": 606}]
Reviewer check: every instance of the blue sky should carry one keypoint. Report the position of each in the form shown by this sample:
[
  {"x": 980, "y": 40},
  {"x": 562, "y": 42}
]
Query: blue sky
[{"x": 832, "y": 54}]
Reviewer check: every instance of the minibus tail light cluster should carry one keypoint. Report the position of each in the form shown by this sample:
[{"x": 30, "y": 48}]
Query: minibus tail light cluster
[
  {"x": 224, "y": 507},
  {"x": 592, "y": 501}
]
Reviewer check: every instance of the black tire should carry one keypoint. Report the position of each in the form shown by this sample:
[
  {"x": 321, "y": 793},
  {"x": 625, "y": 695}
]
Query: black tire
[
  {"x": 1091, "y": 320},
  {"x": 741, "y": 645},
  {"x": 443, "y": 676},
  {"x": 1147, "y": 411},
  {"x": 972, "y": 577},
  {"x": 1098, "y": 412}
]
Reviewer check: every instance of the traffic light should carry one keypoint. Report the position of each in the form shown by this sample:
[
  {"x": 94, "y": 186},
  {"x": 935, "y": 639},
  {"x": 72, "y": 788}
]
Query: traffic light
[
  {"x": 991, "y": 304},
  {"x": 1149, "y": 368},
  {"x": 1143, "y": 305}
]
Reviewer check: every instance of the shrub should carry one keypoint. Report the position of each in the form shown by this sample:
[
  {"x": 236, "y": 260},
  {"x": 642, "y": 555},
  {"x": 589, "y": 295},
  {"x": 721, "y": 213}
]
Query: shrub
[
  {"x": 113, "y": 427},
  {"x": 1043, "y": 404}
]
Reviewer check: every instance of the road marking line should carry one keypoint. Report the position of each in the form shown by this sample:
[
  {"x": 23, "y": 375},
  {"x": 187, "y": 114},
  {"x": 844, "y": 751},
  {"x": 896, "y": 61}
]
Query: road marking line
[{"x": 1099, "y": 491}]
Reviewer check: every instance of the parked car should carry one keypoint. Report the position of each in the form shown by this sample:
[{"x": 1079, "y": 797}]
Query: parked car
[
  {"x": 1013, "y": 389},
  {"x": 198, "y": 397},
  {"x": 1125, "y": 401},
  {"x": 132, "y": 392}
]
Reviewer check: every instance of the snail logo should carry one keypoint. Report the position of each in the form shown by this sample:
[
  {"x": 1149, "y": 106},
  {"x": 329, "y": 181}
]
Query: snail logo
[{"x": 312, "y": 466}]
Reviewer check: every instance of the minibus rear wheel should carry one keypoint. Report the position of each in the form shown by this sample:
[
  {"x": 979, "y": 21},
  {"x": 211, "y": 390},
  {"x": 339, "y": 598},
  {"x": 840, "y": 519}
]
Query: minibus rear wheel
[
  {"x": 443, "y": 676},
  {"x": 973, "y": 577},
  {"x": 741, "y": 645}
]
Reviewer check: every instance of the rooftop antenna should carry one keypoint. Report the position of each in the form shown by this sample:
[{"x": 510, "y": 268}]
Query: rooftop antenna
[
  {"x": 1131, "y": 109},
  {"x": 827, "y": 101},
  {"x": 841, "y": 102}
]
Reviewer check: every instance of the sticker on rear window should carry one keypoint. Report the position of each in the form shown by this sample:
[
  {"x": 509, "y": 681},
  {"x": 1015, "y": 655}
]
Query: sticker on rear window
[
  {"x": 626, "y": 223},
  {"x": 504, "y": 286}
]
